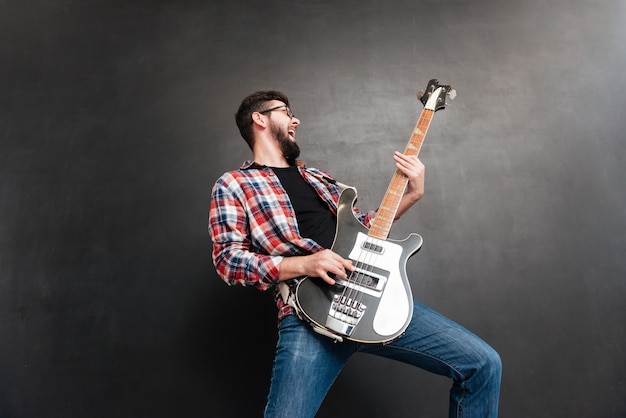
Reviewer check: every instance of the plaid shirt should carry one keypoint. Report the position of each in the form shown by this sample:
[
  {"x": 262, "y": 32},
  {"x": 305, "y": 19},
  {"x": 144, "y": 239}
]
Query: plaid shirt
[{"x": 253, "y": 226}]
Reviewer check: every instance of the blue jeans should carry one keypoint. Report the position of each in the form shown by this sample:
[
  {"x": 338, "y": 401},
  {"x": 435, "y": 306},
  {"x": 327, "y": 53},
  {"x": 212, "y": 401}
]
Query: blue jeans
[{"x": 306, "y": 364}]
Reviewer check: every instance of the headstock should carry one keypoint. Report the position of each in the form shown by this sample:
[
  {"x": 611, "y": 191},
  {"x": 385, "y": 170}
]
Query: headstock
[{"x": 434, "y": 98}]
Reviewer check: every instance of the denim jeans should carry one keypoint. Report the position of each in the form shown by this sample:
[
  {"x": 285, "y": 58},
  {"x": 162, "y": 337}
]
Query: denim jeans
[{"x": 306, "y": 364}]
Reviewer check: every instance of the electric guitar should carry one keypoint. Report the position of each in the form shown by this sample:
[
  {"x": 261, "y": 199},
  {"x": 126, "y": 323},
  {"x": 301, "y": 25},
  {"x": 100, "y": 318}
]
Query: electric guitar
[{"x": 374, "y": 304}]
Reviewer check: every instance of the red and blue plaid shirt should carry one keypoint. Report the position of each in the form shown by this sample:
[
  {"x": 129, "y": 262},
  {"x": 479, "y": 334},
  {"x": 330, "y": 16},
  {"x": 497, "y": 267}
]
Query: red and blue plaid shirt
[{"x": 253, "y": 226}]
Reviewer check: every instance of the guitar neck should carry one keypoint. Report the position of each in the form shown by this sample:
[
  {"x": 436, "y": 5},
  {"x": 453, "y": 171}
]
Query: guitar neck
[{"x": 391, "y": 201}]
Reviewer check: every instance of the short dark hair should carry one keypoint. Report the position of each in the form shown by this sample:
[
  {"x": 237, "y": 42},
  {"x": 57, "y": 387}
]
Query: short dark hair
[{"x": 253, "y": 103}]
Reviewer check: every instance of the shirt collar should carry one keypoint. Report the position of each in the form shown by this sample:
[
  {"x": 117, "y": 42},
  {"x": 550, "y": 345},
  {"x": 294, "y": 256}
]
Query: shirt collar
[{"x": 250, "y": 164}]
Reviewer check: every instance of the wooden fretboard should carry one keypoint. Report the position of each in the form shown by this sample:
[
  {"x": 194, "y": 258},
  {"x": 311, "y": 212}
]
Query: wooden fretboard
[{"x": 388, "y": 208}]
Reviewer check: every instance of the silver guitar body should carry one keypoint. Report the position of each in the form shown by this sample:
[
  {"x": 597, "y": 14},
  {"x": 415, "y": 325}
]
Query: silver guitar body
[{"x": 374, "y": 304}]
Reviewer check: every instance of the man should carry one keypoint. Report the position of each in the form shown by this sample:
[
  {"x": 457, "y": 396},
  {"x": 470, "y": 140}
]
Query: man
[{"x": 273, "y": 221}]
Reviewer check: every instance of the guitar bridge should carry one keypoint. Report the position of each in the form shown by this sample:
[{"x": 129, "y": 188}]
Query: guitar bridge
[{"x": 344, "y": 314}]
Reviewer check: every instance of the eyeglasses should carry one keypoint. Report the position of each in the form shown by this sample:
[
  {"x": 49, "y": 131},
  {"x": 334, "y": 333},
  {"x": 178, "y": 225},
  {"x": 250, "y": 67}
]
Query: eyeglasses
[{"x": 287, "y": 110}]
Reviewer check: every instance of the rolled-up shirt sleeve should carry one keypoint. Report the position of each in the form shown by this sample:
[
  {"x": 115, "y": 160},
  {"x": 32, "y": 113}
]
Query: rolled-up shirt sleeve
[{"x": 236, "y": 262}]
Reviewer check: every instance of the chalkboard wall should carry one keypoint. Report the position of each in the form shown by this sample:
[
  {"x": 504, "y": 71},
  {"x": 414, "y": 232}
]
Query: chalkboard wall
[{"x": 116, "y": 117}]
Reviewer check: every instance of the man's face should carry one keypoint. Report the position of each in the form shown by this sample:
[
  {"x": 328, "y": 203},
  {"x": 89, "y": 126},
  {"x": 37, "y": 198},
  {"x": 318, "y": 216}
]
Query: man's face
[{"x": 283, "y": 127}]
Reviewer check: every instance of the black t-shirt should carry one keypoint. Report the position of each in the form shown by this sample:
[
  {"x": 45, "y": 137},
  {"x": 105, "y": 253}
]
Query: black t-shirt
[{"x": 315, "y": 219}]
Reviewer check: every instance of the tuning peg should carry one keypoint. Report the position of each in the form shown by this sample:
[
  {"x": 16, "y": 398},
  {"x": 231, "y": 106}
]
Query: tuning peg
[
  {"x": 452, "y": 94},
  {"x": 420, "y": 94}
]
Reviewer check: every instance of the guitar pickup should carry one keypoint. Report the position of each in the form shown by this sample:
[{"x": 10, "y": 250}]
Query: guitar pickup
[
  {"x": 367, "y": 279},
  {"x": 372, "y": 247}
]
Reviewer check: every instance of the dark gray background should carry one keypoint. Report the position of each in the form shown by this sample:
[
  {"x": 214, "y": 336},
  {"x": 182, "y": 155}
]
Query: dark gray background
[{"x": 117, "y": 117}]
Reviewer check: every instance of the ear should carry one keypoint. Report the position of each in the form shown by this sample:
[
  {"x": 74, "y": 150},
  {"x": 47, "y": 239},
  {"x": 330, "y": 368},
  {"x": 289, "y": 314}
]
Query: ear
[{"x": 259, "y": 120}]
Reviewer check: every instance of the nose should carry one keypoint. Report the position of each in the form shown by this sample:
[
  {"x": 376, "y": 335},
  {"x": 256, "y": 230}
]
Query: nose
[{"x": 295, "y": 121}]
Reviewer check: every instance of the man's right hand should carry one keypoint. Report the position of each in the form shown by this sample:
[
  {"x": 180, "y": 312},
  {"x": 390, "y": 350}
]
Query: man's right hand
[{"x": 320, "y": 264}]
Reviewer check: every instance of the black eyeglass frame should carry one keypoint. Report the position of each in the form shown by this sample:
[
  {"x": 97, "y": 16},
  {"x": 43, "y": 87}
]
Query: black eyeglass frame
[{"x": 271, "y": 109}]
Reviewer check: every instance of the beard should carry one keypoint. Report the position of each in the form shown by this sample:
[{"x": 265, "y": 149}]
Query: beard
[{"x": 290, "y": 149}]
